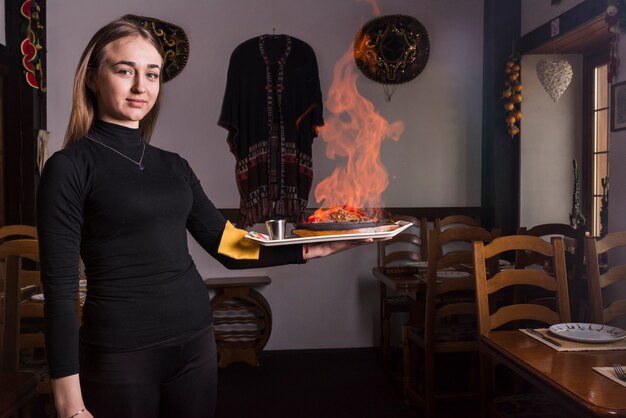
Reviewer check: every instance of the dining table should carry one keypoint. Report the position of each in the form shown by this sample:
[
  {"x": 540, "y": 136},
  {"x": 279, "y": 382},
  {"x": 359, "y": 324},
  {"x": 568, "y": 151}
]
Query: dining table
[{"x": 568, "y": 377}]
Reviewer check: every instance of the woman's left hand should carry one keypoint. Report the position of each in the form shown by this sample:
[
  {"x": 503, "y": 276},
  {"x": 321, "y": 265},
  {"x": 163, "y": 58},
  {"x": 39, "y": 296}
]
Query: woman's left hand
[{"x": 323, "y": 249}]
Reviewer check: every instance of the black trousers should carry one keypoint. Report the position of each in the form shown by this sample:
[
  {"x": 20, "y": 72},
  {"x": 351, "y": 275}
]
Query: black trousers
[{"x": 170, "y": 380}]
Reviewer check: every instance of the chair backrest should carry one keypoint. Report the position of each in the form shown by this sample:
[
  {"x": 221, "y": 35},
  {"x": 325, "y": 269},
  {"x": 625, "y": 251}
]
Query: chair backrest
[
  {"x": 17, "y": 231},
  {"x": 486, "y": 288},
  {"x": 601, "y": 278},
  {"x": 574, "y": 255},
  {"x": 29, "y": 250},
  {"x": 407, "y": 246},
  {"x": 456, "y": 221},
  {"x": 12, "y": 232},
  {"x": 459, "y": 263},
  {"x": 15, "y": 309}
]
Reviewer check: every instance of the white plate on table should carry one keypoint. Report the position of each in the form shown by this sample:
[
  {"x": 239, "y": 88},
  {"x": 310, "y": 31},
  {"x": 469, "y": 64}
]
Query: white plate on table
[
  {"x": 418, "y": 264},
  {"x": 452, "y": 274},
  {"x": 264, "y": 240},
  {"x": 588, "y": 333}
]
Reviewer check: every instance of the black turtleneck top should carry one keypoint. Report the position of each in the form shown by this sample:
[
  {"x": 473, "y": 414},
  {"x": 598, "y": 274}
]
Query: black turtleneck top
[{"x": 129, "y": 226}]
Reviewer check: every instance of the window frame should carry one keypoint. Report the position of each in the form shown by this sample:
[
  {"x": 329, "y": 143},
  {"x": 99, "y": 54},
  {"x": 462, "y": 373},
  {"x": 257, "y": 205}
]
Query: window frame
[{"x": 590, "y": 62}]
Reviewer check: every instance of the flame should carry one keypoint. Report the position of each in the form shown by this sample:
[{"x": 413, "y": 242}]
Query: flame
[
  {"x": 355, "y": 130},
  {"x": 328, "y": 215}
]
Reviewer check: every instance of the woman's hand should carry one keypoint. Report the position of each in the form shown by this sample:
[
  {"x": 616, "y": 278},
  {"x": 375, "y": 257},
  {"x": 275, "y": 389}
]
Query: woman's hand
[
  {"x": 68, "y": 398},
  {"x": 322, "y": 249}
]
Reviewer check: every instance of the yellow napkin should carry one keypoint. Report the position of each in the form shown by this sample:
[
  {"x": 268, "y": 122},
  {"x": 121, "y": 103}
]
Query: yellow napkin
[{"x": 234, "y": 245}]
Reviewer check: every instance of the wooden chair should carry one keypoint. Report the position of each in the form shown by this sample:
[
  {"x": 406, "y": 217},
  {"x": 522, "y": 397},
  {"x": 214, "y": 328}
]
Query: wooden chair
[
  {"x": 404, "y": 248},
  {"x": 574, "y": 260},
  {"x": 450, "y": 317},
  {"x": 455, "y": 221},
  {"x": 606, "y": 307},
  {"x": 23, "y": 340},
  {"x": 509, "y": 312},
  {"x": 17, "y": 232},
  {"x": 10, "y": 232}
]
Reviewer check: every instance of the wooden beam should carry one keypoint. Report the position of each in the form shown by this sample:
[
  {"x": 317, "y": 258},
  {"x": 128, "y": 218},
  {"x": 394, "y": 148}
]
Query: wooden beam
[{"x": 540, "y": 39}]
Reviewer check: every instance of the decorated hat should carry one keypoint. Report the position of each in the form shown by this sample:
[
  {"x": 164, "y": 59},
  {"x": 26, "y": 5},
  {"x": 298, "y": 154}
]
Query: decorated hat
[
  {"x": 173, "y": 40},
  {"x": 392, "y": 49}
]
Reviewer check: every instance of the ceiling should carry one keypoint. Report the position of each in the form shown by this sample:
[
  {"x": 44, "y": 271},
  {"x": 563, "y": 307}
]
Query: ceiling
[{"x": 589, "y": 36}]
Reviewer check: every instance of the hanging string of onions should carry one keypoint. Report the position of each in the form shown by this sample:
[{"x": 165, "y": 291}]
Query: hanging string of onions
[{"x": 512, "y": 95}]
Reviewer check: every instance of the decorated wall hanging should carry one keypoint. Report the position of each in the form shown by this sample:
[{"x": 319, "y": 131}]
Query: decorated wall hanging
[
  {"x": 555, "y": 76},
  {"x": 512, "y": 94},
  {"x": 392, "y": 50},
  {"x": 615, "y": 18},
  {"x": 173, "y": 40},
  {"x": 32, "y": 45},
  {"x": 272, "y": 109}
]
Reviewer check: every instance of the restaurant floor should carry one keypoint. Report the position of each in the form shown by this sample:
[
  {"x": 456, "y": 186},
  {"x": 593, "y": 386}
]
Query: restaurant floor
[{"x": 319, "y": 384}]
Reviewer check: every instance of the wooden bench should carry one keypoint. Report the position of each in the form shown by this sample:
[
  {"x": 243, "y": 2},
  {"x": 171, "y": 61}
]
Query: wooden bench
[{"x": 242, "y": 318}]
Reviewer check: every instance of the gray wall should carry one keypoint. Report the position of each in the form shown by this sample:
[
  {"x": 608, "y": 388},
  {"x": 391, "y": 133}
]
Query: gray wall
[
  {"x": 328, "y": 303},
  {"x": 550, "y": 139}
]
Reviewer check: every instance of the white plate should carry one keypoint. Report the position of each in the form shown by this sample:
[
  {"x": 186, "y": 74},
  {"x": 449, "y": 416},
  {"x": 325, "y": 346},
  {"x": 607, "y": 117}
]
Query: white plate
[
  {"x": 264, "y": 240},
  {"x": 418, "y": 264},
  {"x": 452, "y": 274},
  {"x": 588, "y": 333}
]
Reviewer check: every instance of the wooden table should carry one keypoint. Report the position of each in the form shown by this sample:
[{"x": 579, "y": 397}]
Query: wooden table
[{"x": 566, "y": 376}]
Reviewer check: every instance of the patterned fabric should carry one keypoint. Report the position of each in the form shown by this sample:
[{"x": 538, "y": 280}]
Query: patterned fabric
[{"x": 272, "y": 108}]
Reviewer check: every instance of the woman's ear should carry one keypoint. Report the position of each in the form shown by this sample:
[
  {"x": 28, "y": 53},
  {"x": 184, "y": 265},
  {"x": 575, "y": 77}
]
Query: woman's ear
[{"x": 91, "y": 80}]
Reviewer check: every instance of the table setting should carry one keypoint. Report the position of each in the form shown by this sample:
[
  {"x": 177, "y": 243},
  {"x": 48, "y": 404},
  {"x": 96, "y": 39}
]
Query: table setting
[{"x": 579, "y": 336}]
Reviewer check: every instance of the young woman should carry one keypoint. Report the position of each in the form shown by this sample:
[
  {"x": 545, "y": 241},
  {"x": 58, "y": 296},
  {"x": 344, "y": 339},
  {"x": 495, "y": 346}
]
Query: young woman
[{"x": 147, "y": 346}]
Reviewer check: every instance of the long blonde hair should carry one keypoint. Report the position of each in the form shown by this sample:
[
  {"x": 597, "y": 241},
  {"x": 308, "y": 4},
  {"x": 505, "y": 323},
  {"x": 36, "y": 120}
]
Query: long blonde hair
[{"x": 84, "y": 103}]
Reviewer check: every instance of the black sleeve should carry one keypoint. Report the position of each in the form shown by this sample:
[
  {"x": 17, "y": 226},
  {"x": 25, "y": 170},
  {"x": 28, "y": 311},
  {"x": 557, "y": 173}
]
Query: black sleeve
[
  {"x": 59, "y": 225},
  {"x": 206, "y": 225}
]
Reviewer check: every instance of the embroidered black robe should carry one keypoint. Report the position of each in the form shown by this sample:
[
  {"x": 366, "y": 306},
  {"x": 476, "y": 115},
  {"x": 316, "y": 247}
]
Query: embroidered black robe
[{"x": 272, "y": 108}]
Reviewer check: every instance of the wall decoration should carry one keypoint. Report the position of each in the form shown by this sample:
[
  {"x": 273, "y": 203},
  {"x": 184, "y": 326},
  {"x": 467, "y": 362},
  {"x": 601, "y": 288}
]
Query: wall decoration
[
  {"x": 555, "y": 76},
  {"x": 32, "y": 44},
  {"x": 615, "y": 18},
  {"x": 392, "y": 50},
  {"x": 618, "y": 106},
  {"x": 512, "y": 94}
]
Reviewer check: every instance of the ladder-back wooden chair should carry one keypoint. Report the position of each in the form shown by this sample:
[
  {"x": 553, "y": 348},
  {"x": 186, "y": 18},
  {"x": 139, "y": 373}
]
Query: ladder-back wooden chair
[
  {"x": 23, "y": 339},
  {"x": 405, "y": 248},
  {"x": 574, "y": 243},
  {"x": 450, "y": 318},
  {"x": 455, "y": 221},
  {"x": 607, "y": 306},
  {"x": 509, "y": 312}
]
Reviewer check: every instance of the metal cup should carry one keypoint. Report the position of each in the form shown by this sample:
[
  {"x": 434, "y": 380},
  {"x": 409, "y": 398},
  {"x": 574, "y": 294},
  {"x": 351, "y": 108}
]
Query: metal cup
[{"x": 276, "y": 228}]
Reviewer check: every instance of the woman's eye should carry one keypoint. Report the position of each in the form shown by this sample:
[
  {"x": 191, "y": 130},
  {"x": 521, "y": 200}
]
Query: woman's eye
[
  {"x": 153, "y": 76},
  {"x": 125, "y": 71}
]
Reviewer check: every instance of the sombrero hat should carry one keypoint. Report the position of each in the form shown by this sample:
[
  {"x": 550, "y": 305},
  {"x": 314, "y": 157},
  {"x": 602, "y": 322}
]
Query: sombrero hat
[
  {"x": 392, "y": 49},
  {"x": 173, "y": 40}
]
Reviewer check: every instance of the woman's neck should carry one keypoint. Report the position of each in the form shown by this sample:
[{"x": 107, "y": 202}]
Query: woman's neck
[{"x": 116, "y": 135}]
